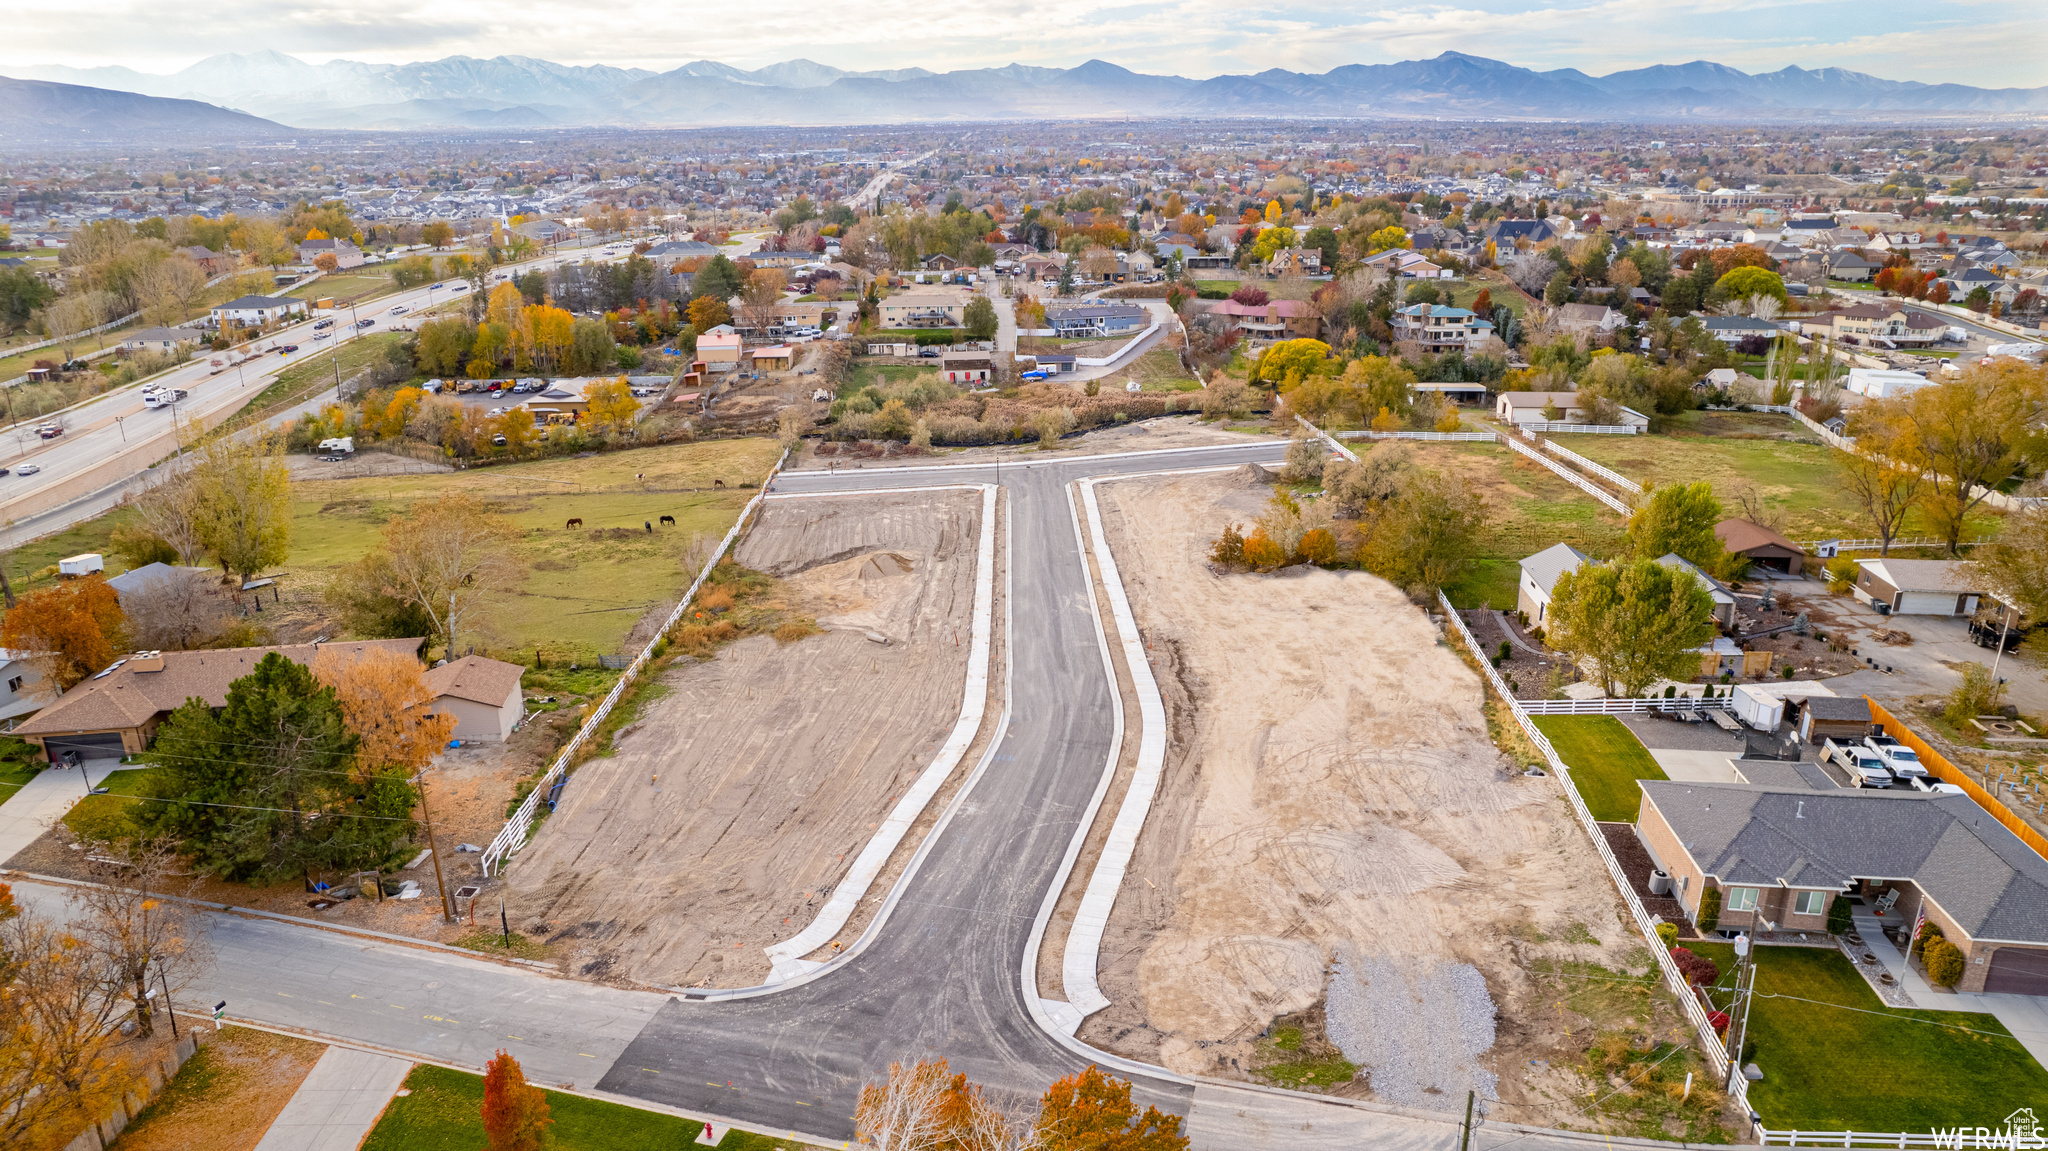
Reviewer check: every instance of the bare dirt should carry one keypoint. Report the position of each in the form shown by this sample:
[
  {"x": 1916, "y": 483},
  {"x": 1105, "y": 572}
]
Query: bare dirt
[
  {"x": 1332, "y": 803},
  {"x": 1165, "y": 432},
  {"x": 226, "y": 1096},
  {"x": 732, "y": 805},
  {"x": 362, "y": 465}
]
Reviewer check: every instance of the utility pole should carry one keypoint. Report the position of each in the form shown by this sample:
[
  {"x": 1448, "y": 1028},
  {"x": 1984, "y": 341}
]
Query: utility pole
[
  {"x": 1465, "y": 1133},
  {"x": 433, "y": 849}
]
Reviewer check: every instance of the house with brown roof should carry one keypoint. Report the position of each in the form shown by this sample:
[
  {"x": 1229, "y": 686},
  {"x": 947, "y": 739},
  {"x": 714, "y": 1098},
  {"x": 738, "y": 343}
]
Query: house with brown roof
[
  {"x": 1272, "y": 320},
  {"x": 117, "y": 712},
  {"x": 482, "y": 694},
  {"x": 1761, "y": 546}
]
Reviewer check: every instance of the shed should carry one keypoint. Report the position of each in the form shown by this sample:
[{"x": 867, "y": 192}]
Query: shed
[
  {"x": 482, "y": 694},
  {"x": 1539, "y": 577},
  {"x": 1832, "y": 717},
  {"x": 1918, "y": 587},
  {"x": 1760, "y": 545}
]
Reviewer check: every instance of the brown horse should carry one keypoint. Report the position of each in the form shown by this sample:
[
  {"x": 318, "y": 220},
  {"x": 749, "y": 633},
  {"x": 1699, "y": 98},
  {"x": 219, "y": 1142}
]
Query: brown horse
[
  {"x": 717, "y": 483},
  {"x": 575, "y": 523}
]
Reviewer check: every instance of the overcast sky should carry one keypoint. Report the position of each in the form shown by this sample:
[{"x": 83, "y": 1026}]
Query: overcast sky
[{"x": 1979, "y": 42}]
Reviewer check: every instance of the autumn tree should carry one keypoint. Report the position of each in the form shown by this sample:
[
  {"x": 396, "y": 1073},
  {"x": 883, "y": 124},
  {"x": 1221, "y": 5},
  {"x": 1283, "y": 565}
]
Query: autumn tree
[
  {"x": 708, "y": 312},
  {"x": 1872, "y": 474},
  {"x": 759, "y": 296},
  {"x": 1426, "y": 535},
  {"x": 515, "y": 1113},
  {"x": 1679, "y": 518},
  {"x": 1636, "y": 621},
  {"x": 2015, "y": 565},
  {"x": 979, "y": 319},
  {"x": 437, "y": 234},
  {"x": 76, "y": 628},
  {"x": 613, "y": 407},
  {"x": 169, "y": 290},
  {"x": 179, "y": 610},
  {"x": 136, "y": 932},
  {"x": 1093, "y": 1111},
  {"x": 385, "y": 701},
  {"x": 451, "y": 557},
  {"x": 57, "y": 1023},
  {"x": 1970, "y": 434},
  {"x": 243, "y": 499}
]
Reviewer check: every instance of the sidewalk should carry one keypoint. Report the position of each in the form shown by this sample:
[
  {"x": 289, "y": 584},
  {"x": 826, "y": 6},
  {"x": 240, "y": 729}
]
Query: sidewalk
[
  {"x": 42, "y": 801},
  {"x": 339, "y": 1102}
]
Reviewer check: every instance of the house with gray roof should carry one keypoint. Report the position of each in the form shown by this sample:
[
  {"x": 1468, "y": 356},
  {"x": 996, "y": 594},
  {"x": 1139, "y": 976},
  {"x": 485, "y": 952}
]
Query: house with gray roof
[
  {"x": 1782, "y": 856},
  {"x": 1539, "y": 577}
]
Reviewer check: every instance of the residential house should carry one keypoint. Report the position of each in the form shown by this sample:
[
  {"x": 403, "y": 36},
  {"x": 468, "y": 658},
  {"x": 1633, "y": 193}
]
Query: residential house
[
  {"x": 1918, "y": 587},
  {"x": 1596, "y": 323},
  {"x": 345, "y": 252},
  {"x": 924, "y": 308},
  {"x": 1441, "y": 327},
  {"x": 1851, "y": 267},
  {"x": 1883, "y": 383},
  {"x": 117, "y": 712},
  {"x": 940, "y": 262},
  {"x": 1723, "y": 610},
  {"x": 482, "y": 694},
  {"x": 1881, "y": 322},
  {"x": 668, "y": 253},
  {"x": 1272, "y": 320},
  {"x": 1761, "y": 546},
  {"x": 1505, "y": 234},
  {"x": 1539, "y": 579},
  {"x": 1096, "y": 319},
  {"x": 1307, "y": 261},
  {"x": 23, "y": 688},
  {"x": 160, "y": 339},
  {"x": 1527, "y": 408},
  {"x": 971, "y": 368},
  {"x": 251, "y": 311},
  {"x": 1783, "y": 855},
  {"x": 211, "y": 262},
  {"x": 1013, "y": 252},
  {"x": 1733, "y": 329},
  {"x": 1044, "y": 267},
  {"x": 1402, "y": 262},
  {"x": 1718, "y": 379}
]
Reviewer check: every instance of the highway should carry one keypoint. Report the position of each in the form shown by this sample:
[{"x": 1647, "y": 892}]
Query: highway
[
  {"x": 866, "y": 196},
  {"x": 942, "y": 975}
]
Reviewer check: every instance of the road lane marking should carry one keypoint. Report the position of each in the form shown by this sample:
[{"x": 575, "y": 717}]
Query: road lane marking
[{"x": 586, "y": 1056}]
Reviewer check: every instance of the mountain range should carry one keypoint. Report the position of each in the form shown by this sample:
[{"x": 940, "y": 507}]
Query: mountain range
[{"x": 517, "y": 92}]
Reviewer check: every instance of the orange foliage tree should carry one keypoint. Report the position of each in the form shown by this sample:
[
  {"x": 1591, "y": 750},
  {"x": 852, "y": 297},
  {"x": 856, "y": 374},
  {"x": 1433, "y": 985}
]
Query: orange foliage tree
[
  {"x": 75, "y": 628},
  {"x": 1091, "y": 1111},
  {"x": 515, "y": 1113},
  {"x": 384, "y": 699}
]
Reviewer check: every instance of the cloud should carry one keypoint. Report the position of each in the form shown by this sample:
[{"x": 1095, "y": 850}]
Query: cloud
[{"x": 1931, "y": 43}]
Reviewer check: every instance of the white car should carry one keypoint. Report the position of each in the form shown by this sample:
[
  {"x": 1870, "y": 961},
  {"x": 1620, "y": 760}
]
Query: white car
[
  {"x": 28, "y": 469},
  {"x": 400, "y": 310}
]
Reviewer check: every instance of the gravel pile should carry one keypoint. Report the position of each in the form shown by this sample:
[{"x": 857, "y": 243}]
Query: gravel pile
[{"x": 1417, "y": 1026}]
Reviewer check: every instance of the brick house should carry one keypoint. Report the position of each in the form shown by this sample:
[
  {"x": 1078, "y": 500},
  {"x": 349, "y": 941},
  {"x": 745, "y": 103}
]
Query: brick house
[
  {"x": 1784, "y": 855},
  {"x": 1272, "y": 320}
]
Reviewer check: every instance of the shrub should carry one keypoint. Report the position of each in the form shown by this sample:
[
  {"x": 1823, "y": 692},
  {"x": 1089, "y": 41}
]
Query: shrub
[
  {"x": 1944, "y": 962},
  {"x": 1929, "y": 933},
  {"x": 1697, "y": 969},
  {"x": 1229, "y": 547},
  {"x": 1977, "y": 694},
  {"x": 1710, "y": 910},
  {"x": 1318, "y": 547},
  {"x": 1262, "y": 552},
  {"x": 1668, "y": 933},
  {"x": 1840, "y": 916}
]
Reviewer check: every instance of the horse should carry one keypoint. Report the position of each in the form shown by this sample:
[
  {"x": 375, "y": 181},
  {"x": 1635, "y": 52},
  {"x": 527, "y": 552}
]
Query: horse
[
  {"x": 648, "y": 525},
  {"x": 575, "y": 523},
  {"x": 668, "y": 521},
  {"x": 717, "y": 483}
]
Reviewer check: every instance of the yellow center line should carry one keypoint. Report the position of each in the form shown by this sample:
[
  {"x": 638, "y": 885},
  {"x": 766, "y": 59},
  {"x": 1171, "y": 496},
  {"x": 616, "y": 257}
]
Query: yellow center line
[
  {"x": 586, "y": 1055},
  {"x": 520, "y": 1038}
]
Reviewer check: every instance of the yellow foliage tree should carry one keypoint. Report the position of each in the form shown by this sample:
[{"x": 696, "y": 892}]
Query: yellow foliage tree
[
  {"x": 1273, "y": 211},
  {"x": 506, "y": 303},
  {"x": 386, "y": 702},
  {"x": 75, "y": 627},
  {"x": 1386, "y": 421},
  {"x": 612, "y": 406}
]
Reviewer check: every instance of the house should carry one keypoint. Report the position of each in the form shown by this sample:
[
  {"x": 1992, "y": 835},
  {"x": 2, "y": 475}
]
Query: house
[
  {"x": 250, "y": 311},
  {"x": 1044, "y": 267},
  {"x": 1596, "y": 322},
  {"x": 1096, "y": 319},
  {"x": 1439, "y": 327},
  {"x": 1877, "y": 323},
  {"x": 1506, "y": 234},
  {"x": 1761, "y": 546},
  {"x": 211, "y": 262},
  {"x": 1539, "y": 579},
  {"x": 1527, "y": 408},
  {"x": 1918, "y": 587},
  {"x": 1783, "y": 855},
  {"x": 345, "y": 252},
  {"x": 967, "y": 367},
  {"x": 1402, "y": 262},
  {"x": 482, "y": 694},
  {"x": 1307, "y": 261},
  {"x": 1723, "y": 610},
  {"x": 1718, "y": 379},
  {"x": 940, "y": 262},
  {"x": 927, "y": 308},
  {"x": 1851, "y": 267},
  {"x": 1883, "y": 383},
  {"x": 1734, "y": 329},
  {"x": 160, "y": 339},
  {"x": 671, "y": 252},
  {"x": 23, "y": 688},
  {"x": 719, "y": 348},
  {"x": 1823, "y": 717},
  {"x": 1272, "y": 320},
  {"x": 117, "y": 712}
]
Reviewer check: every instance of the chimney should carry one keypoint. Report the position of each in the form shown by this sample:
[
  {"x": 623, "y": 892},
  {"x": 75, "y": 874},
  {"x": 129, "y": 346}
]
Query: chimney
[{"x": 146, "y": 661}]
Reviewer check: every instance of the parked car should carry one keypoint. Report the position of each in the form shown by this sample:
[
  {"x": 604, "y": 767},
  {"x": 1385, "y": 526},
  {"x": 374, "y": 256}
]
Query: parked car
[
  {"x": 1864, "y": 767},
  {"x": 28, "y": 469},
  {"x": 1899, "y": 759},
  {"x": 1032, "y": 375},
  {"x": 1934, "y": 786}
]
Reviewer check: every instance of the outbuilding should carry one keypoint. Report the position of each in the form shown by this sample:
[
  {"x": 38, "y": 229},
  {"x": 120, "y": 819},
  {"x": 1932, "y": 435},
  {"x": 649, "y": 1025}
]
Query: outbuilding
[
  {"x": 482, "y": 694},
  {"x": 1917, "y": 587},
  {"x": 1761, "y": 546},
  {"x": 1823, "y": 717}
]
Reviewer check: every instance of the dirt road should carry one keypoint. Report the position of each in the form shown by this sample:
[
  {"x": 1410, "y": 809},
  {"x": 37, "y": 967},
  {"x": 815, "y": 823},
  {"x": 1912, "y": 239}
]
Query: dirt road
[
  {"x": 1333, "y": 822},
  {"x": 733, "y": 804}
]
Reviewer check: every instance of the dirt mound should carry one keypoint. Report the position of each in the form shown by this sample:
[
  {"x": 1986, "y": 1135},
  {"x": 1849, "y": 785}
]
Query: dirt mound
[
  {"x": 1251, "y": 475},
  {"x": 885, "y": 565}
]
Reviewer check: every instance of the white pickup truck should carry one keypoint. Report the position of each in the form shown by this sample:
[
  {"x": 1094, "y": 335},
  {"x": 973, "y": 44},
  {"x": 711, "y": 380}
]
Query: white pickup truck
[
  {"x": 1899, "y": 759},
  {"x": 161, "y": 397},
  {"x": 1863, "y": 765}
]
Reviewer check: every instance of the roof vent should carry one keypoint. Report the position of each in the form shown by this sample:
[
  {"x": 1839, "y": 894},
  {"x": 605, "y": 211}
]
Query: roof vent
[
  {"x": 146, "y": 661},
  {"x": 1801, "y": 813}
]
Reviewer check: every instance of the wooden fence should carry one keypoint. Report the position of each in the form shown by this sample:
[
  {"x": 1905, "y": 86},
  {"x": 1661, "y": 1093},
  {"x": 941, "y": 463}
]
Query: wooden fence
[{"x": 1949, "y": 773}]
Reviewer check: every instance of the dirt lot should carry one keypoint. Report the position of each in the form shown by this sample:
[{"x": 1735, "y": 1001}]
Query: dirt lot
[
  {"x": 732, "y": 806},
  {"x": 360, "y": 466},
  {"x": 1334, "y": 826},
  {"x": 1143, "y": 435},
  {"x": 226, "y": 1096}
]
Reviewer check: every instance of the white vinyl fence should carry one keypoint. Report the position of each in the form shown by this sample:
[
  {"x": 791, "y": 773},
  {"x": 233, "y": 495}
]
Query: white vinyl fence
[
  {"x": 1957, "y": 1137},
  {"x": 1605, "y": 473},
  {"x": 1571, "y": 477},
  {"x": 1710, "y": 1041},
  {"x": 1324, "y": 436},
  {"x": 1624, "y": 706},
  {"x": 1553, "y": 427},
  {"x": 512, "y": 836},
  {"x": 1440, "y": 437}
]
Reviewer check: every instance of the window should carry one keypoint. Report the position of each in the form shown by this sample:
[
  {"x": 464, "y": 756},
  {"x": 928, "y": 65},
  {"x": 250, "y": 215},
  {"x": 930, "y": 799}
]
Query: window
[
  {"x": 1810, "y": 902},
  {"x": 14, "y": 685},
  {"x": 1742, "y": 899}
]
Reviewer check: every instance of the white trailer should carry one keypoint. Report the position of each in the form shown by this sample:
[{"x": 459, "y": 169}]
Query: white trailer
[
  {"x": 84, "y": 564},
  {"x": 1758, "y": 708}
]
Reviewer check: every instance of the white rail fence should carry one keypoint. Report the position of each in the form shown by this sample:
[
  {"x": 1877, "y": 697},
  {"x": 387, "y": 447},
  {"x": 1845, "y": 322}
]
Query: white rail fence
[
  {"x": 1605, "y": 473},
  {"x": 1870, "y": 545},
  {"x": 1830, "y": 438},
  {"x": 1956, "y": 1137},
  {"x": 1710, "y": 1040},
  {"x": 1571, "y": 477},
  {"x": 1553, "y": 427},
  {"x": 1624, "y": 706},
  {"x": 109, "y": 326},
  {"x": 1995, "y": 499},
  {"x": 512, "y": 836},
  {"x": 1327, "y": 438},
  {"x": 1440, "y": 437}
]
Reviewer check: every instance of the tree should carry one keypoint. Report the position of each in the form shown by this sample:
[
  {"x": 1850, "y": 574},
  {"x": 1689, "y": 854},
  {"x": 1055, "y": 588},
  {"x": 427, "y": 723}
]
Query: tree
[
  {"x": 1065, "y": 285},
  {"x": 708, "y": 312},
  {"x": 56, "y": 1026},
  {"x": 76, "y": 627},
  {"x": 719, "y": 278},
  {"x": 1971, "y": 433},
  {"x": 1559, "y": 290},
  {"x": 169, "y": 289},
  {"x": 759, "y": 296},
  {"x": 979, "y": 319},
  {"x": 1391, "y": 236},
  {"x": 1678, "y": 518},
  {"x": 612, "y": 406},
  {"x": 1306, "y": 357},
  {"x": 1426, "y": 534},
  {"x": 1873, "y": 476},
  {"x": 385, "y": 701},
  {"x": 452, "y": 557},
  {"x": 178, "y": 611},
  {"x": 515, "y": 1113},
  {"x": 327, "y": 261},
  {"x": 362, "y": 598},
  {"x": 1092, "y": 1111},
  {"x": 1744, "y": 282},
  {"x": 22, "y": 292},
  {"x": 244, "y": 503},
  {"x": 923, "y": 1107},
  {"x": 437, "y": 234},
  {"x": 135, "y": 930},
  {"x": 444, "y": 345},
  {"x": 1636, "y": 621},
  {"x": 2015, "y": 565}
]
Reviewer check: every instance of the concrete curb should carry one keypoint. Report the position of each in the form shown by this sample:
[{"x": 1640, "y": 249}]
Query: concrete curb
[{"x": 787, "y": 956}]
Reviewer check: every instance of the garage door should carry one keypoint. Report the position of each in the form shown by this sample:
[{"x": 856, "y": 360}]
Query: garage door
[
  {"x": 1927, "y": 603},
  {"x": 106, "y": 745},
  {"x": 2018, "y": 971}
]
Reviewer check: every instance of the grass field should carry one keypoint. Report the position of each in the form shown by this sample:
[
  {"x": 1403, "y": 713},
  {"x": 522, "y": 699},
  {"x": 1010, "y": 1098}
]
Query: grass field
[
  {"x": 1606, "y": 760},
  {"x": 313, "y": 372},
  {"x": 444, "y": 1113},
  {"x": 1845, "y": 1061},
  {"x": 880, "y": 370},
  {"x": 1158, "y": 370},
  {"x": 1531, "y": 509}
]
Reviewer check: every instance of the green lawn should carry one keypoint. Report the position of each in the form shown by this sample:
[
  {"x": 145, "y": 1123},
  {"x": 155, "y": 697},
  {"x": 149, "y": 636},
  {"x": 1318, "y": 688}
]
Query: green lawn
[
  {"x": 312, "y": 371},
  {"x": 1463, "y": 292},
  {"x": 14, "y": 772},
  {"x": 1606, "y": 760},
  {"x": 1830, "y": 1069},
  {"x": 443, "y": 1113},
  {"x": 883, "y": 370}
]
